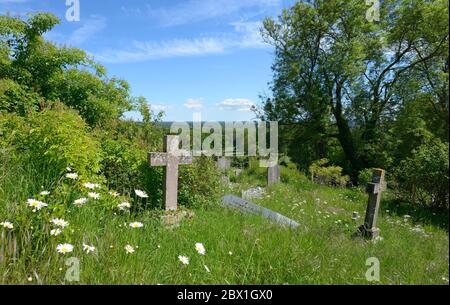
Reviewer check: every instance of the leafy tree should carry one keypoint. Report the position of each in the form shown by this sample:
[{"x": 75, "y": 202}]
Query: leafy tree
[{"x": 35, "y": 73}]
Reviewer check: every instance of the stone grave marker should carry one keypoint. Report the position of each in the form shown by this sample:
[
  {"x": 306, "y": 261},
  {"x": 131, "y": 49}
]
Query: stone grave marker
[
  {"x": 170, "y": 159},
  {"x": 374, "y": 189},
  {"x": 273, "y": 175}
]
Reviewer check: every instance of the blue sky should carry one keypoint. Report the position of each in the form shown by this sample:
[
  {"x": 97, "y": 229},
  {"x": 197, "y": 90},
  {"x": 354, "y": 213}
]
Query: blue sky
[{"x": 184, "y": 56}]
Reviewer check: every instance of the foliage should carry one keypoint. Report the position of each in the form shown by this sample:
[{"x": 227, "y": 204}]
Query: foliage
[
  {"x": 51, "y": 140},
  {"x": 424, "y": 177},
  {"x": 35, "y": 73},
  {"x": 328, "y": 175}
]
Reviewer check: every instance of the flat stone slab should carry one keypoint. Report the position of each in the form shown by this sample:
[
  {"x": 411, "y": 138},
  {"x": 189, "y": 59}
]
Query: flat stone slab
[{"x": 248, "y": 207}]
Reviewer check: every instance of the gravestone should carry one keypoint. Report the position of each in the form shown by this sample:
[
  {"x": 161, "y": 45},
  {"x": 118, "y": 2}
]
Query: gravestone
[
  {"x": 170, "y": 159},
  {"x": 273, "y": 175},
  {"x": 374, "y": 189},
  {"x": 248, "y": 207},
  {"x": 224, "y": 164}
]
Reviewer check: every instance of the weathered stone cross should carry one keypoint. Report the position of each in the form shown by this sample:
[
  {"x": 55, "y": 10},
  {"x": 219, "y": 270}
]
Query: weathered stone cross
[
  {"x": 375, "y": 188},
  {"x": 170, "y": 159}
]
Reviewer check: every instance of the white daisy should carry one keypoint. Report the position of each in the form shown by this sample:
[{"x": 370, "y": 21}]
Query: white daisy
[
  {"x": 200, "y": 248},
  {"x": 80, "y": 202},
  {"x": 88, "y": 249},
  {"x": 124, "y": 206},
  {"x": 94, "y": 196},
  {"x": 7, "y": 225},
  {"x": 64, "y": 248},
  {"x": 36, "y": 204},
  {"x": 91, "y": 186},
  {"x": 141, "y": 194},
  {"x": 60, "y": 223},
  {"x": 136, "y": 225},
  {"x": 55, "y": 232},
  {"x": 45, "y": 193},
  {"x": 72, "y": 176},
  {"x": 184, "y": 259},
  {"x": 129, "y": 249}
]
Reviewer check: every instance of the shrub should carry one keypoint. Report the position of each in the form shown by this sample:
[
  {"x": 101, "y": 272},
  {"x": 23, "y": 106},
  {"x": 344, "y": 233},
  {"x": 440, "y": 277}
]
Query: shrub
[
  {"x": 52, "y": 140},
  {"x": 424, "y": 177},
  {"x": 328, "y": 175},
  {"x": 364, "y": 177}
]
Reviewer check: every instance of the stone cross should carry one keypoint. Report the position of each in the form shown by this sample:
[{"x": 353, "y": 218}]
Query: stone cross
[
  {"x": 273, "y": 174},
  {"x": 374, "y": 188},
  {"x": 170, "y": 160}
]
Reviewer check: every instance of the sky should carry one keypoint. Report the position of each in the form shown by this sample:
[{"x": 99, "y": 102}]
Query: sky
[{"x": 183, "y": 56}]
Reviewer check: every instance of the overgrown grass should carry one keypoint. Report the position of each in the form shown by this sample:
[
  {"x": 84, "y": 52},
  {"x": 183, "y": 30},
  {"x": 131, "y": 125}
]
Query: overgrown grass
[{"x": 241, "y": 249}]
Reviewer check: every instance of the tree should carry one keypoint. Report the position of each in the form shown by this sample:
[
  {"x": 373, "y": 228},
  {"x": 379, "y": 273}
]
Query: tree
[
  {"x": 339, "y": 74},
  {"x": 35, "y": 73}
]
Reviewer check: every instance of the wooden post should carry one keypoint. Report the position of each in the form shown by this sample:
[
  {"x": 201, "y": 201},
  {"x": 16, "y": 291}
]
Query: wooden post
[{"x": 374, "y": 189}]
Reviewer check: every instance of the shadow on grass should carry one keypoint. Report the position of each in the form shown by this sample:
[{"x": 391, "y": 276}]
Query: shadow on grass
[{"x": 419, "y": 214}]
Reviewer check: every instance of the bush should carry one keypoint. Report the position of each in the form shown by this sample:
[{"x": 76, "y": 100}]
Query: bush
[
  {"x": 424, "y": 177},
  {"x": 327, "y": 175},
  {"x": 364, "y": 177},
  {"x": 52, "y": 140}
]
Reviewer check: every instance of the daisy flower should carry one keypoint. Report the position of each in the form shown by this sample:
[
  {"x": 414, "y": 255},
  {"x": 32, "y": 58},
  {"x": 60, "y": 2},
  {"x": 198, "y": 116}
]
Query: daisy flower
[
  {"x": 200, "y": 248},
  {"x": 55, "y": 232},
  {"x": 60, "y": 223},
  {"x": 88, "y": 249},
  {"x": 91, "y": 186},
  {"x": 124, "y": 206},
  {"x": 184, "y": 259},
  {"x": 64, "y": 248},
  {"x": 141, "y": 194},
  {"x": 45, "y": 193},
  {"x": 94, "y": 196},
  {"x": 72, "y": 176},
  {"x": 36, "y": 205},
  {"x": 129, "y": 249},
  {"x": 7, "y": 225},
  {"x": 80, "y": 202},
  {"x": 136, "y": 225}
]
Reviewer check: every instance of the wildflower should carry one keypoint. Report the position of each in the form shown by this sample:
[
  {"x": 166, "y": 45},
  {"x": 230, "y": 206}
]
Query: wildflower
[
  {"x": 30, "y": 279},
  {"x": 88, "y": 249},
  {"x": 64, "y": 248},
  {"x": 80, "y": 202},
  {"x": 91, "y": 186},
  {"x": 60, "y": 223},
  {"x": 68, "y": 169},
  {"x": 114, "y": 194},
  {"x": 124, "y": 206},
  {"x": 7, "y": 225},
  {"x": 55, "y": 232},
  {"x": 94, "y": 196},
  {"x": 36, "y": 205},
  {"x": 72, "y": 176},
  {"x": 200, "y": 248},
  {"x": 136, "y": 225},
  {"x": 129, "y": 249},
  {"x": 45, "y": 193},
  {"x": 230, "y": 253},
  {"x": 141, "y": 194},
  {"x": 184, "y": 259}
]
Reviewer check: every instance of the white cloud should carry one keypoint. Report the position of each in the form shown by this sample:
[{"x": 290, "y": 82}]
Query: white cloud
[
  {"x": 237, "y": 104},
  {"x": 160, "y": 107},
  {"x": 245, "y": 36},
  {"x": 199, "y": 10},
  {"x": 192, "y": 103},
  {"x": 89, "y": 28}
]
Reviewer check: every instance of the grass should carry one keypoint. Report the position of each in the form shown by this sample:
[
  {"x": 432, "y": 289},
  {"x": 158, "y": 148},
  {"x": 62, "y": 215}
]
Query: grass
[{"x": 241, "y": 249}]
